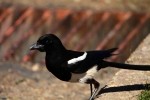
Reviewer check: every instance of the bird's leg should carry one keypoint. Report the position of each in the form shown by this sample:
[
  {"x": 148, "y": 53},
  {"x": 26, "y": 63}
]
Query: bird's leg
[
  {"x": 91, "y": 81},
  {"x": 97, "y": 88},
  {"x": 91, "y": 88},
  {"x": 101, "y": 90}
]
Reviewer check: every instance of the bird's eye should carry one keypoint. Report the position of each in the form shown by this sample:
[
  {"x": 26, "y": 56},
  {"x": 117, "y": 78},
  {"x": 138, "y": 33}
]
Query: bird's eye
[{"x": 47, "y": 41}]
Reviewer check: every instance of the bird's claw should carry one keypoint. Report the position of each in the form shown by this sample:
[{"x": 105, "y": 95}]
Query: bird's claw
[
  {"x": 101, "y": 91},
  {"x": 97, "y": 92}
]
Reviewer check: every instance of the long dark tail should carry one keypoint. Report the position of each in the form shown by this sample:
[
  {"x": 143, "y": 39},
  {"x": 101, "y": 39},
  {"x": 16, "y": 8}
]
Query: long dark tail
[{"x": 126, "y": 66}]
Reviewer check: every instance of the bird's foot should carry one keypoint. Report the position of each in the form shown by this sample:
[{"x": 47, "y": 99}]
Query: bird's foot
[
  {"x": 100, "y": 91},
  {"x": 96, "y": 92}
]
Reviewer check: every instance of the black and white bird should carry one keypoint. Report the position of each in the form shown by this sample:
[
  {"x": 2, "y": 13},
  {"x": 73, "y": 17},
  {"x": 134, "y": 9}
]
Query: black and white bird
[{"x": 75, "y": 66}]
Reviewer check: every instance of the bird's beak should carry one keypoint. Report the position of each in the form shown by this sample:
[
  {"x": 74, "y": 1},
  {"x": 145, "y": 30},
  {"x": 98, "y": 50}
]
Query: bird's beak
[{"x": 36, "y": 47}]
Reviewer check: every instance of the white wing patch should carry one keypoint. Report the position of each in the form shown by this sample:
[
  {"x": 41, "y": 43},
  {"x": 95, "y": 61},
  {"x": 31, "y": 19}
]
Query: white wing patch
[{"x": 80, "y": 58}]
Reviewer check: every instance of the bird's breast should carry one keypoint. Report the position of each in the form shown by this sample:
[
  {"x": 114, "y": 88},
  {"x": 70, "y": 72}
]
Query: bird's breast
[
  {"x": 84, "y": 76},
  {"x": 60, "y": 72},
  {"x": 76, "y": 77}
]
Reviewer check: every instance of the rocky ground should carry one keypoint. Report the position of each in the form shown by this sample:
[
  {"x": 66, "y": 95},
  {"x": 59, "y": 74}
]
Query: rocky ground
[
  {"x": 22, "y": 82},
  {"x": 129, "y": 83}
]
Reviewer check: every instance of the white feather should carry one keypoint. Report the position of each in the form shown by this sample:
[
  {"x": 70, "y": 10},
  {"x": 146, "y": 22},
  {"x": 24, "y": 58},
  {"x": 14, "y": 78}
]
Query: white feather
[
  {"x": 80, "y": 58},
  {"x": 82, "y": 78}
]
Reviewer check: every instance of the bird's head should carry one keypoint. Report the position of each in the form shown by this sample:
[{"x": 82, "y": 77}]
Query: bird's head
[{"x": 47, "y": 42}]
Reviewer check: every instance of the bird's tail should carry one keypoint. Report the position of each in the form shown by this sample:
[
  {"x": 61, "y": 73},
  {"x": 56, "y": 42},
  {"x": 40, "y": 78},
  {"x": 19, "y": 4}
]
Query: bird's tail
[{"x": 127, "y": 66}]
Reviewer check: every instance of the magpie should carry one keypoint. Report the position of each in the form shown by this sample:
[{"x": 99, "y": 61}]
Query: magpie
[{"x": 75, "y": 66}]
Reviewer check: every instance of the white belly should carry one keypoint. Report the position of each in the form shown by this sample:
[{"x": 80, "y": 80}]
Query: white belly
[
  {"x": 76, "y": 77},
  {"x": 83, "y": 77}
]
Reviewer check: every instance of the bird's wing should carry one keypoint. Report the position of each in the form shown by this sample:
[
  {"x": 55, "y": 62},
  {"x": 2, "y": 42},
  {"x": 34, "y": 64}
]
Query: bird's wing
[
  {"x": 74, "y": 59},
  {"x": 80, "y": 62},
  {"x": 101, "y": 54}
]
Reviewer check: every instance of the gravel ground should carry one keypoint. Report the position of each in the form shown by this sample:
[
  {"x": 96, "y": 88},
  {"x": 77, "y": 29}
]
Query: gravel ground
[{"x": 19, "y": 82}]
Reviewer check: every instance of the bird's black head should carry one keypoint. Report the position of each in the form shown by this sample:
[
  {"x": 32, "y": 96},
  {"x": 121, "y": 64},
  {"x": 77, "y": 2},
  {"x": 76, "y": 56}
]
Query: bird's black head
[{"x": 47, "y": 42}]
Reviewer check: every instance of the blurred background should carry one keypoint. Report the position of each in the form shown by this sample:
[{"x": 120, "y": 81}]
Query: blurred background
[{"x": 80, "y": 24}]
